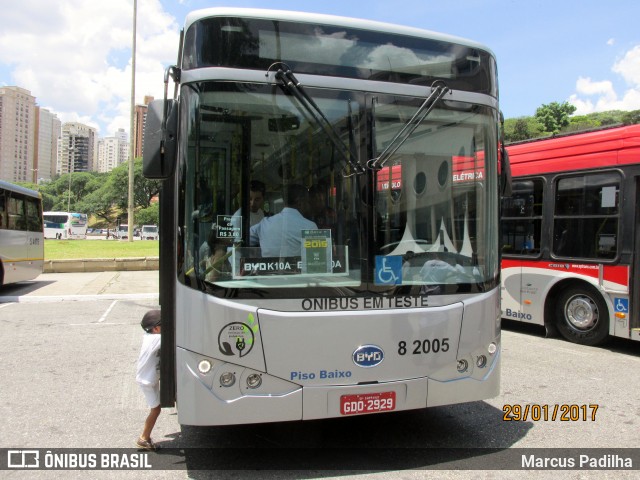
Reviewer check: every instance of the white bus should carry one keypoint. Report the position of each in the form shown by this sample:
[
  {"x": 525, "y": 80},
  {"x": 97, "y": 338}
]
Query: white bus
[
  {"x": 65, "y": 225},
  {"x": 383, "y": 299},
  {"x": 21, "y": 236}
]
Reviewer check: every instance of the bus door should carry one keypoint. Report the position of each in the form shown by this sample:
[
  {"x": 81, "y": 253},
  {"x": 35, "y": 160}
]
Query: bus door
[
  {"x": 35, "y": 238},
  {"x": 511, "y": 287},
  {"x": 522, "y": 278}
]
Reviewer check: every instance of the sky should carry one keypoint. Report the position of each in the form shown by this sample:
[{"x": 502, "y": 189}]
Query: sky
[{"x": 74, "y": 56}]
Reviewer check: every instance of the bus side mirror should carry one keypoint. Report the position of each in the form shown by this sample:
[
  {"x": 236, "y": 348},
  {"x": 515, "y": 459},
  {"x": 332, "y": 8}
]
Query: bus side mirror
[{"x": 159, "y": 153}]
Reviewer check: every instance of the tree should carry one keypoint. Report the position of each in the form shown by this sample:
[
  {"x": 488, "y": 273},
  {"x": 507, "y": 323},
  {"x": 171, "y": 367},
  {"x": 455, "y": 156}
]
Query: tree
[
  {"x": 582, "y": 122},
  {"x": 523, "y": 128},
  {"x": 100, "y": 202},
  {"x": 149, "y": 215},
  {"x": 143, "y": 191},
  {"x": 555, "y": 115},
  {"x": 632, "y": 117}
]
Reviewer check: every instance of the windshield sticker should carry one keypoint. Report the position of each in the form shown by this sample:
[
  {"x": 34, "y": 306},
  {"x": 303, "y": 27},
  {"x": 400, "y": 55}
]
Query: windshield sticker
[
  {"x": 388, "y": 270},
  {"x": 316, "y": 251},
  {"x": 228, "y": 226},
  {"x": 318, "y": 260}
]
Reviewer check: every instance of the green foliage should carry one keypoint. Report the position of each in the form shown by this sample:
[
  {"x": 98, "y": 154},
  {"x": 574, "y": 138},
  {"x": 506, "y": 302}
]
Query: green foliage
[
  {"x": 527, "y": 128},
  {"x": 103, "y": 195},
  {"x": 630, "y": 118},
  {"x": 143, "y": 189},
  {"x": 555, "y": 116},
  {"x": 522, "y": 128},
  {"x": 149, "y": 215}
]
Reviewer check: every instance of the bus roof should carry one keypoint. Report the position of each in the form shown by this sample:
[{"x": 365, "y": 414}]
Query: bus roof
[
  {"x": 319, "y": 18},
  {"x": 580, "y": 151},
  {"x": 17, "y": 188}
]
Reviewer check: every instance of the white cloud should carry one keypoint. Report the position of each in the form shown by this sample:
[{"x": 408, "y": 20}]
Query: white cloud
[
  {"x": 74, "y": 56},
  {"x": 611, "y": 41},
  {"x": 629, "y": 66},
  {"x": 598, "y": 96}
]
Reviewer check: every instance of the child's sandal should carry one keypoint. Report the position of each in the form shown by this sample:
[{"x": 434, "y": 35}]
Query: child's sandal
[{"x": 146, "y": 444}]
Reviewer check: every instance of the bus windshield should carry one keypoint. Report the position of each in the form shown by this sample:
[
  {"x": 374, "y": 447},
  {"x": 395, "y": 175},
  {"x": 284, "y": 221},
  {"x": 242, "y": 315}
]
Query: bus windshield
[{"x": 257, "y": 167}]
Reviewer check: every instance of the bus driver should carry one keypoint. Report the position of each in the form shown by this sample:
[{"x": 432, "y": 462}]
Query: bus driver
[{"x": 280, "y": 235}]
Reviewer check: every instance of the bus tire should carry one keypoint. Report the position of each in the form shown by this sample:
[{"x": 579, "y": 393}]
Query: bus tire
[{"x": 582, "y": 316}]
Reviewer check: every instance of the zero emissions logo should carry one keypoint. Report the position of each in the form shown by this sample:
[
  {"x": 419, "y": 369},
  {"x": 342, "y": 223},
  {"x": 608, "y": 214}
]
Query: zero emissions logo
[{"x": 237, "y": 338}]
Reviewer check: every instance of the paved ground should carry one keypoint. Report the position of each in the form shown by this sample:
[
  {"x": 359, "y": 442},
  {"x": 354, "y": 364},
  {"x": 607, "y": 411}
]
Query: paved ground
[{"x": 84, "y": 286}]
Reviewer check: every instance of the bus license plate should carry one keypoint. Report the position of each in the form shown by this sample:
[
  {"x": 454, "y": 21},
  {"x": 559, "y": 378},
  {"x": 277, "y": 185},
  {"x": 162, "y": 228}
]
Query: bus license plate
[{"x": 367, "y": 403}]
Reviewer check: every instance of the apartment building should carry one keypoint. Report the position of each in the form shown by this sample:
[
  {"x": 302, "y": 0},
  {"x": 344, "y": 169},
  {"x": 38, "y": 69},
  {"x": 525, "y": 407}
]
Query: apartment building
[
  {"x": 17, "y": 134},
  {"x": 77, "y": 148},
  {"x": 112, "y": 151},
  {"x": 139, "y": 120},
  {"x": 48, "y": 129}
]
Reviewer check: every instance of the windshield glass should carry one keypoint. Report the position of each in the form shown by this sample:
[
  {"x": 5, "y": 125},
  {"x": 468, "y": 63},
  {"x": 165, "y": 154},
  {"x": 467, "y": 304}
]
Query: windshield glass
[
  {"x": 435, "y": 221},
  {"x": 270, "y": 208}
]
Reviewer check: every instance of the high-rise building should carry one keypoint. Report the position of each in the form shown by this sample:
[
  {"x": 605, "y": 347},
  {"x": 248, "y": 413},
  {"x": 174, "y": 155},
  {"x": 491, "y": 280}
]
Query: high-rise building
[
  {"x": 48, "y": 129},
  {"x": 77, "y": 148},
  {"x": 139, "y": 120},
  {"x": 112, "y": 151},
  {"x": 17, "y": 134}
]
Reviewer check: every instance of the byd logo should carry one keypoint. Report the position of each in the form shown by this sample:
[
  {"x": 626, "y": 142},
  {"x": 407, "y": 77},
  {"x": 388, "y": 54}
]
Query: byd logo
[{"x": 368, "y": 356}]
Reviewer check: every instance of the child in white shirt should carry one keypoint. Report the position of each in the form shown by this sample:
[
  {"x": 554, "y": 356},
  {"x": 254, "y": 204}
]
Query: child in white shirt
[{"x": 148, "y": 374}]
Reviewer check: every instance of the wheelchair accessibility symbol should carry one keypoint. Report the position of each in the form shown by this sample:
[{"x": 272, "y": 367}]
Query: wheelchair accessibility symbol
[
  {"x": 621, "y": 304},
  {"x": 388, "y": 270}
]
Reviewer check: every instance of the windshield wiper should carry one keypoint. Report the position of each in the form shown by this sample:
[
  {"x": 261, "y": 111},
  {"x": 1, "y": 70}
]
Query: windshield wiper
[
  {"x": 292, "y": 86},
  {"x": 438, "y": 90}
]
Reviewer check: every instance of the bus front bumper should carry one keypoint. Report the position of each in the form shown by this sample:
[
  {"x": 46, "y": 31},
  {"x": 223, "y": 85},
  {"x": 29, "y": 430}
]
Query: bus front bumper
[{"x": 202, "y": 399}]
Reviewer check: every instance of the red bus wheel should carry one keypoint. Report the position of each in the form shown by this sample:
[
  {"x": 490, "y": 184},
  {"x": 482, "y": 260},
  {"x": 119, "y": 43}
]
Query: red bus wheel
[{"x": 582, "y": 316}]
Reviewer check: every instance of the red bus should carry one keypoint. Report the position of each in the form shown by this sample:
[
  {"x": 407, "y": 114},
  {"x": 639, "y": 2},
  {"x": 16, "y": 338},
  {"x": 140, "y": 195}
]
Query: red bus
[{"x": 571, "y": 235}]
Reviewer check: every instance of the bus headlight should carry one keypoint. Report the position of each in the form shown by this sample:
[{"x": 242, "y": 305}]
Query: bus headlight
[
  {"x": 481, "y": 361},
  {"x": 204, "y": 366},
  {"x": 462, "y": 365},
  {"x": 492, "y": 348},
  {"x": 254, "y": 380},
  {"x": 227, "y": 379}
]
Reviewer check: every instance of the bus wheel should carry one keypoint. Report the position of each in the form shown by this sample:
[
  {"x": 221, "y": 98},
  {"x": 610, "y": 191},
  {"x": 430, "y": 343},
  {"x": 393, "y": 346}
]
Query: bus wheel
[{"x": 582, "y": 316}]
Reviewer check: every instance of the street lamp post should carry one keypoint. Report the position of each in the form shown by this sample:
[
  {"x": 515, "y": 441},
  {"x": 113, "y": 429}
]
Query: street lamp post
[
  {"x": 132, "y": 136},
  {"x": 71, "y": 161}
]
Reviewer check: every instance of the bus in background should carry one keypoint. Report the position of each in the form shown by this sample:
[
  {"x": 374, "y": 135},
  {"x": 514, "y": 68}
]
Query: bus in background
[
  {"x": 21, "y": 235},
  {"x": 571, "y": 235},
  {"x": 65, "y": 226},
  {"x": 378, "y": 293}
]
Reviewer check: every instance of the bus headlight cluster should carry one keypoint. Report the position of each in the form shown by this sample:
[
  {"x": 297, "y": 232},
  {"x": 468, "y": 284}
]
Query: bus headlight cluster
[
  {"x": 227, "y": 379},
  {"x": 481, "y": 361},
  {"x": 492, "y": 348}
]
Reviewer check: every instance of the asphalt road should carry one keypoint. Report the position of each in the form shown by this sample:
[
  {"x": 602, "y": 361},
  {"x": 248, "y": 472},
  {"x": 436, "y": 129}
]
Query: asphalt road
[{"x": 69, "y": 356}]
